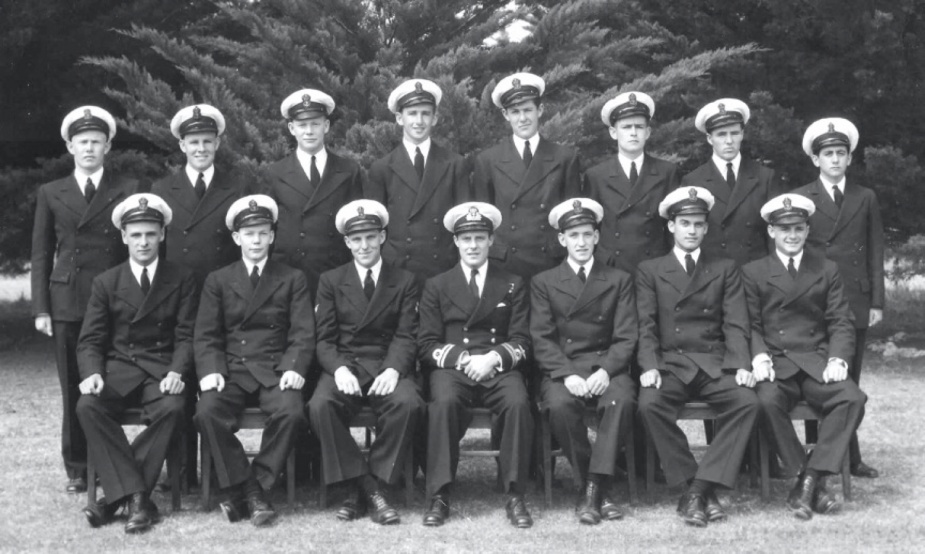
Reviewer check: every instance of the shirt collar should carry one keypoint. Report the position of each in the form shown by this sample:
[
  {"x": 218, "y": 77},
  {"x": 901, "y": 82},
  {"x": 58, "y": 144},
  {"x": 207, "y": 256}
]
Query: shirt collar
[
  {"x": 721, "y": 164},
  {"x": 467, "y": 271},
  {"x": 137, "y": 268},
  {"x": 627, "y": 164},
  {"x": 249, "y": 265},
  {"x": 785, "y": 259},
  {"x": 830, "y": 187},
  {"x": 305, "y": 159},
  {"x": 519, "y": 144},
  {"x": 680, "y": 253},
  {"x": 81, "y": 177},
  {"x": 377, "y": 269},
  {"x": 587, "y": 265},
  {"x": 206, "y": 175},
  {"x": 410, "y": 146}
]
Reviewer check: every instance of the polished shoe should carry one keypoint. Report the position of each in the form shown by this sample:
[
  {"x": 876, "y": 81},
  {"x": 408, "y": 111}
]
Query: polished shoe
[
  {"x": 139, "y": 516},
  {"x": 692, "y": 508},
  {"x": 864, "y": 471},
  {"x": 589, "y": 505},
  {"x": 380, "y": 511},
  {"x": 610, "y": 511},
  {"x": 517, "y": 512},
  {"x": 350, "y": 510},
  {"x": 714, "y": 509},
  {"x": 235, "y": 509},
  {"x": 261, "y": 511},
  {"x": 76, "y": 485},
  {"x": 800, "y": 500},
  {"x": 101, "y": 512},
  {"x": 439, "y": 511},
  {"x": 824, "y": 502}
]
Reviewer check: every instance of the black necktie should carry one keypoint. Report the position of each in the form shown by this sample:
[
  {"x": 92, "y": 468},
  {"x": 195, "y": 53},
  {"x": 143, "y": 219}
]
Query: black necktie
[
  {"x": 89, "y": 190},
  {"x": 145, "y": 281},
  {"x": 791, "y": 269},
  {"x": 255, "y": 277},
  {"x": 581, "y": 274},
  {"x": 419, "y": 162},
  {"x": 634, "y": 175},
  {"x": 528, "y": 155},
  {"x": 839, "y": 197},
  {"x": 369, "y": 286},
  {"x": 730, "y": 176},
  {"x": 689, "y": 264},
  {"x": 200, "y": 187},
  {"x": 473, "y": 284},
  {"x": 315, "y": 176}
]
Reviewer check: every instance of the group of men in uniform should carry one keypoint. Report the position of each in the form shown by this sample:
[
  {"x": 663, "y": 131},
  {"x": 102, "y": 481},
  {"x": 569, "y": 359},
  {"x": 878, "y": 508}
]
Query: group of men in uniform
[{"x": 422, "y": 289}]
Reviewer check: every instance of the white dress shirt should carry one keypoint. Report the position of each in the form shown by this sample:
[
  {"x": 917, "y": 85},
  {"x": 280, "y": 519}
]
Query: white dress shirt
[
  {"x": 81, "y": 177},
  {"x": 479, "y": 279},
  {"x": 721, "y": 165},
  {"x": 361, "y": 271},
  {"x": 305, "y": 160},
  {"x": 207, "y": 175},
  {"x": 137, "y": 268},
  {"x": 519, "y": 144},
  {"x": 627, "y": 164}
]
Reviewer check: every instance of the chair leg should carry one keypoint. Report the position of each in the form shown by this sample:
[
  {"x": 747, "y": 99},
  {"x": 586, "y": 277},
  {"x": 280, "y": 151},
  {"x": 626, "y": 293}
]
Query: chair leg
[
  {"x": 846, "y": 479},
  {"x": 546, "y": 457},
  {"x": 290, "y": 478},
  {"x": 409, "y": 478},
  {"x": 630, "y": 453},
  {"x": 764, "y": 462},
  {"x": 206, "y": 460}
]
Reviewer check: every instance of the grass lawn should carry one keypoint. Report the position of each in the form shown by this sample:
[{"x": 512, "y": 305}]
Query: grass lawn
[{"x": 885, "y": 515}]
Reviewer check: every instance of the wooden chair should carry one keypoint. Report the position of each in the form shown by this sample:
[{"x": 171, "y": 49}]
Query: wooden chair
[
  {"x": 367, "y": 418},
  {"x": 547, "y": 454},
  {"x": 132, "y": 416},
  {"x": 251, "y": 418},
  {"x": 699, "y": 411},
  {"x": 800, "y": 412}
]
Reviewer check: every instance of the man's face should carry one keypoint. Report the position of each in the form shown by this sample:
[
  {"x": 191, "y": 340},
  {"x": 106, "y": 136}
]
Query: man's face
[
  {"x": 524, "y": 118},
  {"x": 688, "y": 231},
  {"x": 309, "y": 132},
  {"x": 473, "y": 247},
  {"x": 254, "y": 241},
  {"x": 727, "y": 141},
  {"x": 417, "y": 122},
  {"x": 580, "y": 241},
  {"x": 631, "y": 134},
  {"x": 833, "y": 162},
  {"x": 143, "y": 240},
  {"x": 366, "y": 247},
  {"x": 89, "y": 149},
  {"x": 200, "y": 149},
  {"x": 789, "y": 238}
]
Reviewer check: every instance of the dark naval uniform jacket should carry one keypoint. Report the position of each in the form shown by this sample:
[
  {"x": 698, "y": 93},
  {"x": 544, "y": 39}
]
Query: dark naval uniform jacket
[
  {"x": 197, "y": 237},
  {"x": 632, "y": 230},
  {"x": 853, "y": 238},
  {"x": 525, "y": 243},
  {"x": 417, "y": 240},
  {"x": 737, "y": 230},
  {"x": 306, "y": 237}
]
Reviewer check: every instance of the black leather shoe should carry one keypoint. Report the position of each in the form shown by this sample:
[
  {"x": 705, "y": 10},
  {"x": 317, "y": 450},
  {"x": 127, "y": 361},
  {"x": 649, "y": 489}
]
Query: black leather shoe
[
  {"x": 438, "y": 512},
  {"x": 864, "y": 471},
  {"x": 692, "y": 508},
  {"x": 517, "y": 512},
  {"x": 76, "y": 485},
  {"x": 101, "y": 512},
  {"x": 800, "y": 500},
  {"x": 824, "y": 502},
  {"x": 609, "y": 509},
  {"x": 261, "y": 511},
  {"x": 380, "y": 511},
  {"x": 139, "y": 516},
  {"x": 349, "y": 510},
  {"x": 589, "y": 505},
  {"x": 714, "y": 509}
]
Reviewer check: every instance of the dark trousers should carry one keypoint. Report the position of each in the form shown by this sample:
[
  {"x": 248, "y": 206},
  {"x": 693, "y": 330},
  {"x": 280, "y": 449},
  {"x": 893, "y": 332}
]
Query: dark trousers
[
  {"x": 397, "y": 417},
  {"x": 854, "y": 373},
  {"x": 737, "y": 408},
  {"x": 73, "y": 440},
  {"x": 616, "y": 409},
  {"x": 125, "y": 468},
  {"x": 842, "y": 407},
  {"x": 218, "y": 419},
  {"x": 452, "y": 395}
]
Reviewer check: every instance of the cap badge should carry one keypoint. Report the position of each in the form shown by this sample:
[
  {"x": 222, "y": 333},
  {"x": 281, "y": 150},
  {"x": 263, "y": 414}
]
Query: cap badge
[
  {"x": 360, "y": 211},
  {"x": 831, "y": 127},
  {"x": 306, "y": 100},
  {"x": 576, "y": 205},
  {"x": 515, "y": 83},
  {"x": 87, "y": 114},
  {"x": 143, "y": 204},
  {"x": 632, "y": 99},
  {"x": 418, "y": 87},
  {"x": 197, "y": 113},
  {"x": 692, "y": 193},
  {"x": 473, "y": 214},
  {"x": 252, "y": 205},
  {"x": 722, "y": 108},
  {"x": 787, "y": 204}
]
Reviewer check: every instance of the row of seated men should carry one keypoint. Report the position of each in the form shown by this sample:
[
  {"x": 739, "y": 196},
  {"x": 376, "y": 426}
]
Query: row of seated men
[
  {"x": 749, "y": 343},
  {"x": 523, "y": 176}
]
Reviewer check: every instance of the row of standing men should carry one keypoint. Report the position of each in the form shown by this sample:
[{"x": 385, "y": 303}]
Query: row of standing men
[{"x": 524, "y": 176}]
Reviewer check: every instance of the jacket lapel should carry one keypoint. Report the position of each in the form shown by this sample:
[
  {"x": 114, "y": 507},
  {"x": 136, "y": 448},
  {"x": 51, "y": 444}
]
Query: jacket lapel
[
  {"x": 825, "y": 206},
  {"x": 266, "y": 286},
  {"x": 543, "y": 163},
  {"x": 69, "y": 193},
  {"x": 335, "y": 171},
  {"x": 435, "y": 168},
  {"x": 716, "y": 184},
  {"x": 704, "y": 273},
  {"x": 495, "y": 290},
  {"x": 459, "y": 291},
  {"x": 810, "y": 271},
  {"x": 567, "y": 283},
  {"x": 745, "y": 183},
  {"x": 164, "y": 283},
  {"x": 294, "y": 177},
  {"x": 182, "y": 190},
  {"x": 219, "y": 191},
  {"x": 105, "y": 196},
  {"x": 671, "y": 271},
  {"x": 595, "y": 286},
  {"x": 353, "y": 289},
  {"x": 401, "y": 165},
  {"x": 386, "y": 290},
  {"x": 129, "y": 291},
  {"x": 510, "y": 163},
  {"x": 648, "y": 178},
  {"x": 850, "y": 206},
  {"x": 618, "y": 183}
]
